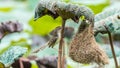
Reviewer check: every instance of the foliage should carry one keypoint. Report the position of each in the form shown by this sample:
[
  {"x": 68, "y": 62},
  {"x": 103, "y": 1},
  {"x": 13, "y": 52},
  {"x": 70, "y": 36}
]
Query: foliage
[
  {"x": 109, "y": 52},
  {"x": 6, "y": 9},
  {"x": 9, "y": 27},
  {"x": 22, "y": 42},
  {"x": 99, "y": 4},
  {"x": 46, "y": 22},
  {"x": 36, "y": 62},
  {"x": 62, "y": 9},
  {"x": 108, "y": 18},
  {"x": 2, "y": 65},
  {"x": 12, "y": 54},
  {"x": 32, "y": 4}
]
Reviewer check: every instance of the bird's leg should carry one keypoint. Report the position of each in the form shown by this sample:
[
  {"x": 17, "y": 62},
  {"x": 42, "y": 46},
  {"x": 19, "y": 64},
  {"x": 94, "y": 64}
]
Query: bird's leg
[{"x": 111, "y": 44}]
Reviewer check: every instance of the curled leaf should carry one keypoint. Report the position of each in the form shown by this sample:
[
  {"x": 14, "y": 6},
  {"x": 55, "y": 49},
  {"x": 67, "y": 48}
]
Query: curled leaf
[
  {"x": 65, "y": 10},
  {"x": 109, "y": 18},
  {"x": 9, "y": 27}
]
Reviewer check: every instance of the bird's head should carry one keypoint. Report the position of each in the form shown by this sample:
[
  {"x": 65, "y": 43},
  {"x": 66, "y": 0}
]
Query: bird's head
[{"x": 85, "y": 24}]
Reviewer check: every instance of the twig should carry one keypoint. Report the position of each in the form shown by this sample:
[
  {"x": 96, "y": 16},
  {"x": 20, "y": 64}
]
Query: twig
[
  {"x": 50, "y": 43},
  {"x": 61, "y": 46},
  {"x": 112, "y": 47},
  {"x": 40, "y": 48}
]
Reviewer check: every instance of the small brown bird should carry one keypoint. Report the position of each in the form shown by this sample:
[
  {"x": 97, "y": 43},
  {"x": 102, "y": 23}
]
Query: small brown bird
[
  {"x": 83, "y": 47},
  {"x": 56, "y": 35}
]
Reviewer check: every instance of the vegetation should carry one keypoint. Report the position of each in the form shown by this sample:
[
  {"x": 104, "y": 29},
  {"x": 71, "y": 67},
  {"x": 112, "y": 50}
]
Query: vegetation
[{"x": 62, "y": 34}]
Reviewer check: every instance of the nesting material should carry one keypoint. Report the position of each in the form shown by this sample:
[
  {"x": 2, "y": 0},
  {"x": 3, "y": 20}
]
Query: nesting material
[{"x": 84, "y": 49}]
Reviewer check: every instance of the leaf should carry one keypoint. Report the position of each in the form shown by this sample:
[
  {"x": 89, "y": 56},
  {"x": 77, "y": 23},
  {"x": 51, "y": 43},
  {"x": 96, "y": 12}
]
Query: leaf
[
  {"x": 36, "y": 62},
  {"x": 44, "y": 25},
  {"x": 2, "y": 65},
  {"x": 6, "y": 9},
  {"x": 12, "y": 54},
  {"x": 109, "y": 18},
  {"x": 88, "y": 2},
  {"x": 31, "y": 4},
  {"x": 34, "y": 65},
  {"x": 93, "y": 4},
  {"x": 69, "y": 66},
  {"x": 108, "y": 51},
  {"x": 47, "y": 62},
  {"x": 9, "y": 27},
  {"x": 65, "y": 10},
  {"x": 48, "y": 51},
  {"x": 42, "y": 10},
  {"x": 66, "y": 1},
  {"x": 20, "y": 42},
  {"x": 99, "y": 6}
]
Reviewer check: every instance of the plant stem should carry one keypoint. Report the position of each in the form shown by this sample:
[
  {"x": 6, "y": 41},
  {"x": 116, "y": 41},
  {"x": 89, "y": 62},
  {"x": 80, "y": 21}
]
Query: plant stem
[
  {"x": 21, "y": 64},
  {"x": 63, "y": 58},
  {"x": 61, "y": 46},
  {"x": 40, "y": 48},
  {"x": 112, "y": 47}
]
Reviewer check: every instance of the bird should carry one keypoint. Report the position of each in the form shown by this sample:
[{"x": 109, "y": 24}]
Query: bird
[{"x": 84, "y": 48}]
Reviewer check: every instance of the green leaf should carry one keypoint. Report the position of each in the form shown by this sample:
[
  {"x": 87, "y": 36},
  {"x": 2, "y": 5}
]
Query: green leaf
[
  {"x": 34, "y": 64},
  {"x": 89, "y": 2},
  {"x": 6, "y": 9},
  {"x": 12, "y": 54},
  {"x": 69, "y": 66},
  {"x": 44, "y": 25},
  {"x": 93, "y": 4},
  {"x": 66, "y": 1},
  {"x": 2, "y": 65},
  {"x": 108, "y": 18},
  {"x": 99, "y": 7}
]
